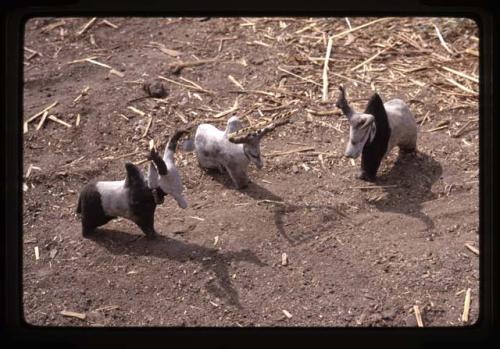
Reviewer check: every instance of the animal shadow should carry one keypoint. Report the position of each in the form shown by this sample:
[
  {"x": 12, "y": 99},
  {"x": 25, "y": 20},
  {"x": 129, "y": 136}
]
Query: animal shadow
[
  {"x": 413, "y": 175},
  {"x": 279, "y": 208},
  {"x": 297, "y": 238},
  {"x": 253, "y": 190},
  {"x": 120, "y": 243}
]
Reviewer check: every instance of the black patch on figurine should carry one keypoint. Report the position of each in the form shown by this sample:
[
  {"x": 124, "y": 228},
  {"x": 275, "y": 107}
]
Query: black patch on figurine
[
  {"x": 90, "y": 207},
  {"x": 374, "y": 151}
]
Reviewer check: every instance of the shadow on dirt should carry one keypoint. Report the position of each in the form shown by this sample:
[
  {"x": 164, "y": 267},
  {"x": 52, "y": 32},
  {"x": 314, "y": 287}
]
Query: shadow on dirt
[
  {"x": 295, "y": 238},
  {"x": 279, "y": 207},
  {"x": 414, "y": 175},
  {"x": 119, "y": 243}
]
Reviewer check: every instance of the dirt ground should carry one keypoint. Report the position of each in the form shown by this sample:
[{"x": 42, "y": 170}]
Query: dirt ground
[{"x": 357, "y": 256}]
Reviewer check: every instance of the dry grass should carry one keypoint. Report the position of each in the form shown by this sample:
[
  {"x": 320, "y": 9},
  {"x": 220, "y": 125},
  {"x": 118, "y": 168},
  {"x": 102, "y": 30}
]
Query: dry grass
[
  {"x": 431, "y": 63},
  {"x": 406, "y": 58}
]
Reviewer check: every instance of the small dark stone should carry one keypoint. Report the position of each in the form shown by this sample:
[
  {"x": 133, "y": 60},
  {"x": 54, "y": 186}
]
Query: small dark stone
[{"x": 155, "y": 89}]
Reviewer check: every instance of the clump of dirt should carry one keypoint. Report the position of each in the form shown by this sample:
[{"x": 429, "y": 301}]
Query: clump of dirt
[{"x": 358, "y": 254}]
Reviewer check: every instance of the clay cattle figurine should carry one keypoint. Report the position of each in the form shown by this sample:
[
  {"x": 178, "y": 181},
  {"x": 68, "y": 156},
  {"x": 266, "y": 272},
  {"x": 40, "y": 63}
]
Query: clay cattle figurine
[
  {"x": 376, "y": 131},
  {"x": 133, "y": 198},
  {"x": 234, "y": 148}
]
